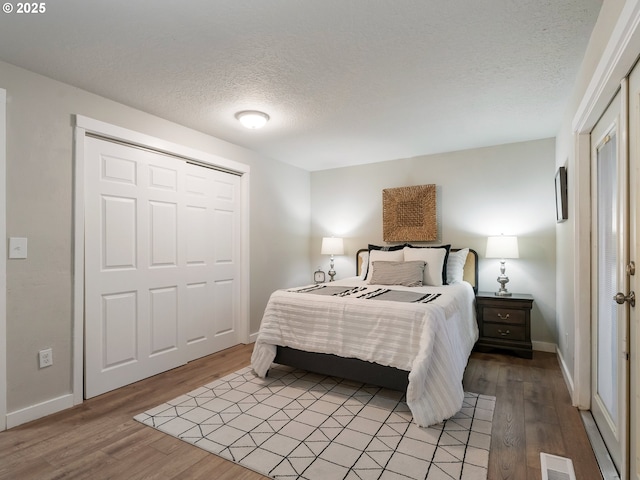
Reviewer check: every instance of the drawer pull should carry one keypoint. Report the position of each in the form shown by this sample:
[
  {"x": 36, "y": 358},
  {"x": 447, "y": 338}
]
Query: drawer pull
[
  {"x": 503, "y": 317},
  {"x": 504, "y": 334}
]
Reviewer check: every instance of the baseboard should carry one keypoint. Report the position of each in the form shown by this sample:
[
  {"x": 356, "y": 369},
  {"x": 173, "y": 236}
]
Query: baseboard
[
  {"x": 39, "y": 410},
  {"x": 253, "y": 337},
  {"x": 544, "y": 347},
  {"x": 566, "y": 374}
]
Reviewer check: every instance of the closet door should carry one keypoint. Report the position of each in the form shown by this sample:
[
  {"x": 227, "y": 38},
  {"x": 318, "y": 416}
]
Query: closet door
[
  {"x": 212, "y": 258},
  {"x": 160, "y": 274}
]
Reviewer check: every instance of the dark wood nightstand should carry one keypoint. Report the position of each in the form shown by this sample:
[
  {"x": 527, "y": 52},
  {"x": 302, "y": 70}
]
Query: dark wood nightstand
[{"x": 505, "y": 323}]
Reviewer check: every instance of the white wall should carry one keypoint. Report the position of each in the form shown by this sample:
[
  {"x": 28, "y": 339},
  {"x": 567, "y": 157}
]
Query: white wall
[
  {"x": 503, "y": 189},
  {"x": 39, "y": 206}
]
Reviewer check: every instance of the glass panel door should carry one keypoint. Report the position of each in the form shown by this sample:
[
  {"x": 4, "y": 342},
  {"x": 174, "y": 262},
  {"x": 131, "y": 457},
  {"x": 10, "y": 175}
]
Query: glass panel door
[
  {"x": 609, "y": 259},
  {"x": 607, "y": 254}
]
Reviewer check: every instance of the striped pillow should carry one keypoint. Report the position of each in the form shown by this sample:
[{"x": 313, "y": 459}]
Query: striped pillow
[{"x": 409, "y": 274}]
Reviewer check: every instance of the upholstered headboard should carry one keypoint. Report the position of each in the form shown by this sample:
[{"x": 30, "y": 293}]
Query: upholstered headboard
[{"x": 470, "y": 272}]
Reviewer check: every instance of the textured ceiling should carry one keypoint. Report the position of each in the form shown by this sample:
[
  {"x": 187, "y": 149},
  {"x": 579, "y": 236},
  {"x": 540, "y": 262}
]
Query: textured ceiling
[{"x": 345, "y": 81}]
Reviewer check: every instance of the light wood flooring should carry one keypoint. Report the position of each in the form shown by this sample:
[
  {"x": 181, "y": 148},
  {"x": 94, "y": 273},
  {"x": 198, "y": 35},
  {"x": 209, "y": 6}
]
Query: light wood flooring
[{"x": 100, "y": 440}]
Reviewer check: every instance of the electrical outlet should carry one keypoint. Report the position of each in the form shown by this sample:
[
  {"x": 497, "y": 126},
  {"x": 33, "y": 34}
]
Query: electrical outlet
[{"x": 46, "y": 357}]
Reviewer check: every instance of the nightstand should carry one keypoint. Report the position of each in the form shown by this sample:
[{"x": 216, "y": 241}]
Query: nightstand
[{"x": 505, "y": 323}]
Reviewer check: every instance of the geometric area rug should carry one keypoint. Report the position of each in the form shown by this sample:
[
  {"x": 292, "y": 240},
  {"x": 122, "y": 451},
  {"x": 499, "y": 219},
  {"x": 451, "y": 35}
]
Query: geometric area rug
[{"x": 299, "y": 425}]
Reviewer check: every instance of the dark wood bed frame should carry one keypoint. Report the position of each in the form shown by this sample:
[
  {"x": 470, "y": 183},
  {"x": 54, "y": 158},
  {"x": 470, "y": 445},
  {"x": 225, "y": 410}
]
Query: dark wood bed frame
[{"x": 360, "y": 370}]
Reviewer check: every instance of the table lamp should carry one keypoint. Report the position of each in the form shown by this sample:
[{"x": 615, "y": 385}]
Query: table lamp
[
  {"x": 332, "y": 246},
  {"x": 502, "y": 247}
]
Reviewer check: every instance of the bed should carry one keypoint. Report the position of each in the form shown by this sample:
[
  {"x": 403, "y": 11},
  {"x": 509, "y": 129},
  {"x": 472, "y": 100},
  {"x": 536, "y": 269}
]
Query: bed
[{"x": 415, "y": 339}]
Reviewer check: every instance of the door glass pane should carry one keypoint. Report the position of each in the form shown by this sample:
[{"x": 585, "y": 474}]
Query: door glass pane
[{"x": 607, "y": 288}]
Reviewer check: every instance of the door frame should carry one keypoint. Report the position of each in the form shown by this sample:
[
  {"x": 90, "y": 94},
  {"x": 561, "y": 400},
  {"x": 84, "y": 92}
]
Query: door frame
[
  {"x": 83, "y": 126},
  {"x": 3, "y": 260}
]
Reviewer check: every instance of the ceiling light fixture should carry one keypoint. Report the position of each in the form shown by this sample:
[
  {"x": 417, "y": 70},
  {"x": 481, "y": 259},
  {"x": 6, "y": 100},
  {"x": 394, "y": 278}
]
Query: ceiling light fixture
[{"x": 252, "y": 119}]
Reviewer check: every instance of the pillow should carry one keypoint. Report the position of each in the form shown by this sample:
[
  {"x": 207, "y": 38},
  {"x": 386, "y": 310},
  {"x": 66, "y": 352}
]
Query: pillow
[
  {"x": 363, "y": 259},
  {"x": 409, "y": 274},
  {"x": 455, "y": 265},
  {"x": 444, "y": 265},
  {"x": 385, "y": 248},
  {"x": 383, "y": 256},
  {"x": 433, "y": 257}
]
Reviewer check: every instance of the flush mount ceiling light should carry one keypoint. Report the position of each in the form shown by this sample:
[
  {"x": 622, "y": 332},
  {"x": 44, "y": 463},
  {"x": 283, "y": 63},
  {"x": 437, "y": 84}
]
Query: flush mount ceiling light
[{"x": 252, "y": 118}]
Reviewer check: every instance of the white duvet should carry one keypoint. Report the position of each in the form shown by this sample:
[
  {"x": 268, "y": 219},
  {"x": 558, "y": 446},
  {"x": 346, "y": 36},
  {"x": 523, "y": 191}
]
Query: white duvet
[{"x": 432, "y": 341}]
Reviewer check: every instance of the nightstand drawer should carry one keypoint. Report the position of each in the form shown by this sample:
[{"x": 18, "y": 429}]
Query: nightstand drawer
[
  {"x": 504, "y": 315},
  {"x": 506, "y": 332}
]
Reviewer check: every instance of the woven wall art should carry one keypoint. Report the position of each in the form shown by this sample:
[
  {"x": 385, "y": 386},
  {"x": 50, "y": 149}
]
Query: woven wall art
[{"x": 409, "y": 214}]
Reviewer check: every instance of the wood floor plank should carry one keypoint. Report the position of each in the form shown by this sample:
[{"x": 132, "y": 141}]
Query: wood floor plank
[
  {"x": 481, "y": 375},
  {"x": 99, "y": 439},
  {"x": 174, "y": 464},
  {"x": 539, "y": 403},
  {"x": 83, "y": 466},
  {"x": 137, "y": 439},
  {"x": 507, "y": 457},
  {"x": 28, "y": 470},
  {"x": 577, "y": 444}
]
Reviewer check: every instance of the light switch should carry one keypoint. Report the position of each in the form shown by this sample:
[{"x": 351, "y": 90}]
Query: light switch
[{"x": 17, "y": 247}]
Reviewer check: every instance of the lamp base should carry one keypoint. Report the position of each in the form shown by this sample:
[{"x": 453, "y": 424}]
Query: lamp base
[
  {"x": 331, "y": 272},
  {"x": 503, "y": 280}
]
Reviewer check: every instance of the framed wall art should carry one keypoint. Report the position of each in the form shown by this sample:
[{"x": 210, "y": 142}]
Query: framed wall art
[
  {"x": 562, "y": 208},
  {"x": 409, "y": 214}
]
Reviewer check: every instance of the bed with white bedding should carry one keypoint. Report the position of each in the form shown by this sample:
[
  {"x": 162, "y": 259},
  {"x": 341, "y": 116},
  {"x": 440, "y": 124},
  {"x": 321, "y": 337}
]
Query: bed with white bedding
[{"x": 423, "y": 333}]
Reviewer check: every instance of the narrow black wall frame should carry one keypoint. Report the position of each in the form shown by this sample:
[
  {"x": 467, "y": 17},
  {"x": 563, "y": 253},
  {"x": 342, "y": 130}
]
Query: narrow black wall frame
[{"x": 562, "y": 208}]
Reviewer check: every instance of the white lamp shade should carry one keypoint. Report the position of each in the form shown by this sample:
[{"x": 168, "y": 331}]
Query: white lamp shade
[
  {"x": 332, "y": 246},
  {"x": 252, "y": 119},
  {"x": 502, "y": 246}
]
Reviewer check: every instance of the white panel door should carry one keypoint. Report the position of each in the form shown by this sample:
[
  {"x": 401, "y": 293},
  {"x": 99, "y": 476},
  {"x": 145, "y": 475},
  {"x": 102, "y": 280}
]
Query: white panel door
[
  {"x": 151, "y": 239},
  {"x": 213, "y": 239}
]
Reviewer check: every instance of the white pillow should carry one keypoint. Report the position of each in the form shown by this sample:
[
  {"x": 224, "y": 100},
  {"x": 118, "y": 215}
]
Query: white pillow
[
  {"x": 433, "y": 257},
  {"x": 383, "y": 256},
  {"x": 455, "y": 265}
]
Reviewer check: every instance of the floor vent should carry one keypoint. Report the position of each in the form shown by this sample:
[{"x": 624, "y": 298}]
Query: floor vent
[{"x": 556, "y": 468}]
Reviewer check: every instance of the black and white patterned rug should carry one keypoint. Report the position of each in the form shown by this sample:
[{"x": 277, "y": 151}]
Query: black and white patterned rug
[{"x": 298, "y": 425}]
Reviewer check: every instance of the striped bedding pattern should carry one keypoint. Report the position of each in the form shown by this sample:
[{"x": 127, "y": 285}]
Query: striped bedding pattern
[
  {"x": 370, "y": 293},
  {"x": 432, "y": 340}
]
